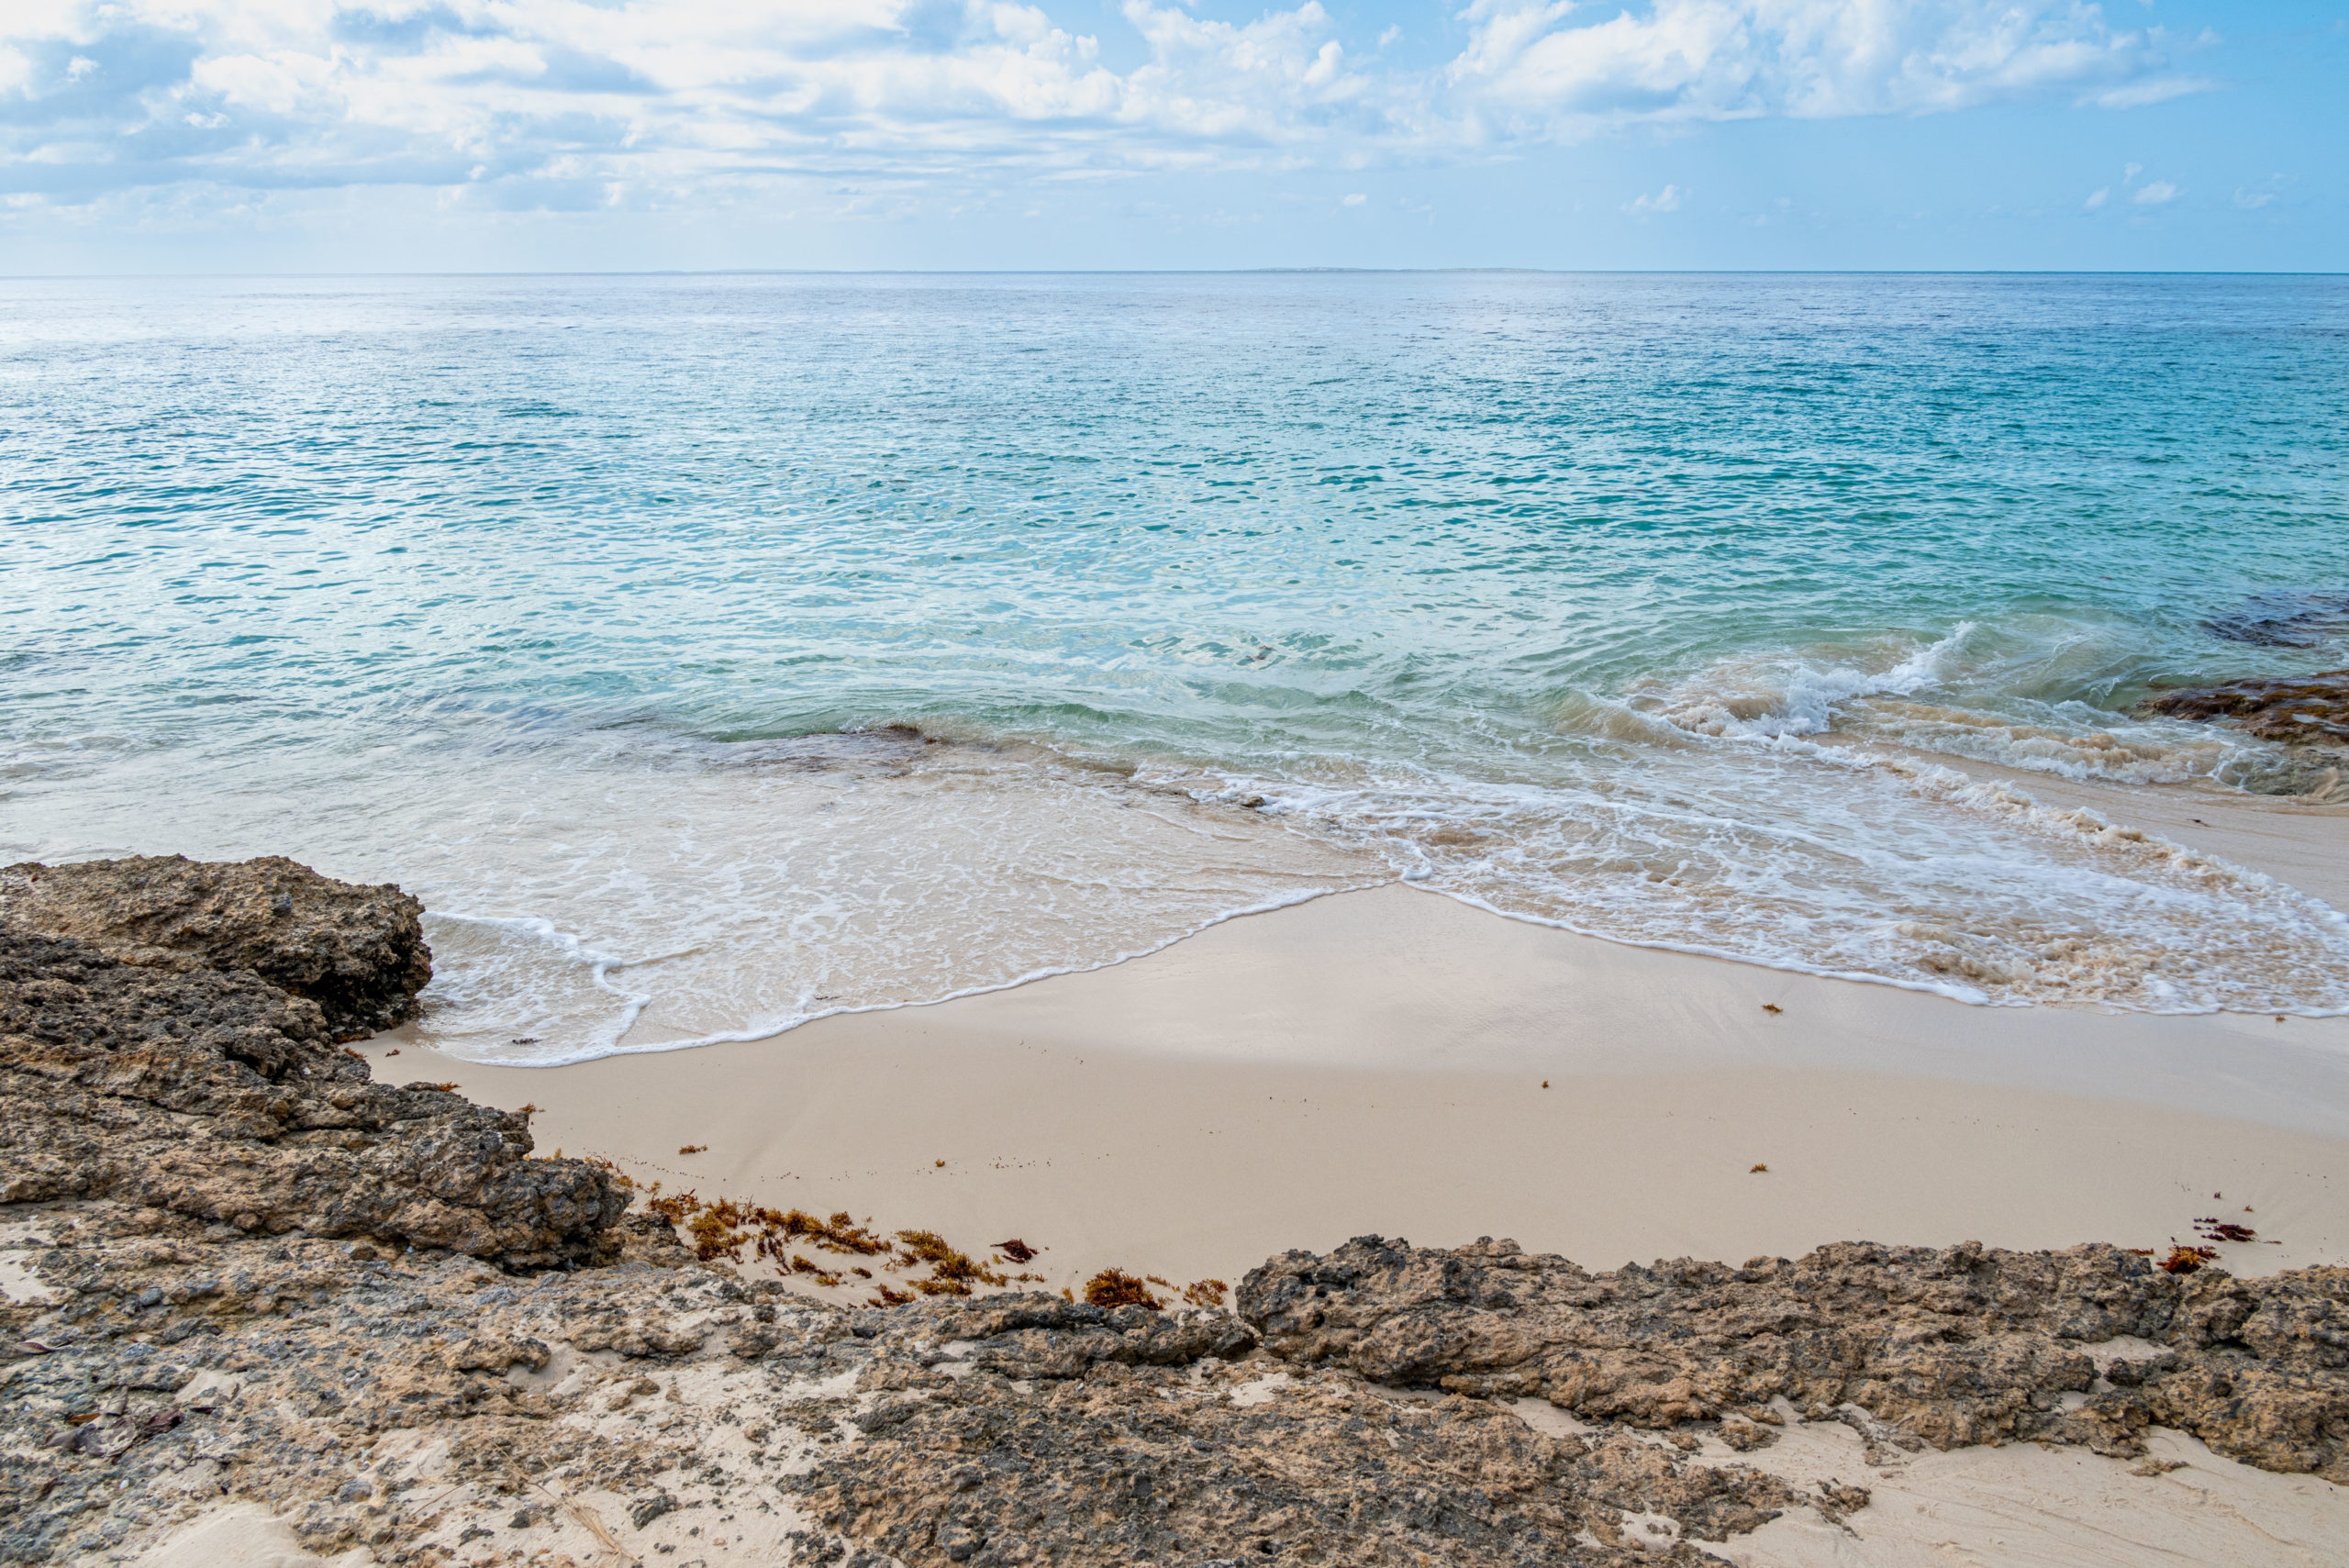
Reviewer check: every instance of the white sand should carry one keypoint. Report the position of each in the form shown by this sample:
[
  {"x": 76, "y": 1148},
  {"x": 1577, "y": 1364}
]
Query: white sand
[
  {"x": 2060, "y": 1507},
  {"x": 242, "y": 1535},
  {"x": 1374, "y": 1062}
]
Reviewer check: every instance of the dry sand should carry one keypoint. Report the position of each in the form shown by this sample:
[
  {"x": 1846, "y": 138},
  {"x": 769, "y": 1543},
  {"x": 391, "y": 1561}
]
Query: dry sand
[
  {"x": 1377, "y": 1061},
  {"x": 1374, "y": 1062}
]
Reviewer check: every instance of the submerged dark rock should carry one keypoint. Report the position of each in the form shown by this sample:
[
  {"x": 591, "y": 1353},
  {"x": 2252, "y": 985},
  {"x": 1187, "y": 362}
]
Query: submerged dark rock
[
  {"x": 2284, "y": 619},
  {"x": 2306, "y": 709},
  {"x": 358, "y": 952}
]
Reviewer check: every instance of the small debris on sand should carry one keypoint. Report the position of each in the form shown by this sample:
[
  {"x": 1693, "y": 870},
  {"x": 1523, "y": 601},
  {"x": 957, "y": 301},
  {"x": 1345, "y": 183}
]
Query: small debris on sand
[
  {"x": 1758, "y": 1170},
  {"x": 693, "y": 1149},
  {"x": 1772, "y": 1008}
]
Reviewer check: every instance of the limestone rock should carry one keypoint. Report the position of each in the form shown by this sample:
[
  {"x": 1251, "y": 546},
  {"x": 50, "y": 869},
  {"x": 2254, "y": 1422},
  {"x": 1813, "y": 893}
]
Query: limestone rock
[
  {"x": 220, "y": 1096},
  {"x": 434, "y": 1410},
  {"x": 1962, "y": 1345},
  {"x": 358, "y": 952}
]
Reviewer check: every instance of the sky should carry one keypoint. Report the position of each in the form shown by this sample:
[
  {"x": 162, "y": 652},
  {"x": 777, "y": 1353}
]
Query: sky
[{"x": 224, "y": 136}]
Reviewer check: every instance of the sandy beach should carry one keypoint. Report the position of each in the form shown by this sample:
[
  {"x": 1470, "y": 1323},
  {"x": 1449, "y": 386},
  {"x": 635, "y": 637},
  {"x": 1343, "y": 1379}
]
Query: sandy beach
[
  {"x": 1395, "y": 1062},
  {"x": 1376, "y": 1062}
]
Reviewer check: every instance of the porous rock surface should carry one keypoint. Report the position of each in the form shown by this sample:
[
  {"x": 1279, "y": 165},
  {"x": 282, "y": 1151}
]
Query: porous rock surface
[
  {"x": 219, "y": 1096},
  {"x": 2306, "y": 709},
  {"x": 422, "y": 1408},
  {"x": 1964, "y": 1345},
  {"x": 358, "y": 952}
]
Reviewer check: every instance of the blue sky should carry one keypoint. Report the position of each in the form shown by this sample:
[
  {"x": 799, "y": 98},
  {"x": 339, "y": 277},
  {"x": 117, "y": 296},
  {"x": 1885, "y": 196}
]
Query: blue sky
[{"x": 459, "y": 135}]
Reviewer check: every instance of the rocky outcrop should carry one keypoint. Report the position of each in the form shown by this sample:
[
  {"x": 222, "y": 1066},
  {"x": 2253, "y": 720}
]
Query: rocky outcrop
[
  {"x": 433, "y": 1411},
  {"x": 1370, "y": 1408},
  {"x": 221, "y": 1097},
  {"x": 2304, "y": 710},
  {"x": 1061, "y": 1433},
  {"x": 1964, "y": 1345},
  {"x": 358, "y": 952},
  {"x": 178, "y": 1056}
]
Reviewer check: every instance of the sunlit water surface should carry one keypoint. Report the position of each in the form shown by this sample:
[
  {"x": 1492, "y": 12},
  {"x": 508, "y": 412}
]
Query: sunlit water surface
[{"x": 1665, "y": 608}]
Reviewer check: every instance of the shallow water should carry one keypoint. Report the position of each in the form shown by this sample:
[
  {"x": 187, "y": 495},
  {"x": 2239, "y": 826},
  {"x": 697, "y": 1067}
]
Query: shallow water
[{"x": 1642, "y": 605}]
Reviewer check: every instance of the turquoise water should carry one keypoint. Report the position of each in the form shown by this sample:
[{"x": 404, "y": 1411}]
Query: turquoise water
[{"x": 1669, "y": 609}]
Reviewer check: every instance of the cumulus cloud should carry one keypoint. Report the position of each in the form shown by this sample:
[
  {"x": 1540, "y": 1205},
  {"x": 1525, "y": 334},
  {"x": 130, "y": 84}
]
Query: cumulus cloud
[
  {"x": 614, "y": 102},
  {"x": 1664, "y": 200},
  {"x": 2155, "y": 194},
  {"x": 1808, "y": 58}
]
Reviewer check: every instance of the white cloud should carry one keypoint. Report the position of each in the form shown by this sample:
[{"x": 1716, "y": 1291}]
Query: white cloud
[
  {"x": 1356, "y": 199},
  {"x": 1664, "y": 200},
  {"x": 1806, "y": 58},
  {"x": 2155, "y": 194},
  {"x": 2098, "y": 198},
  {"x": 2153, "y": 90},
  {"x": 647, "y": 101},
  {"x": 2250, "y": 198}
]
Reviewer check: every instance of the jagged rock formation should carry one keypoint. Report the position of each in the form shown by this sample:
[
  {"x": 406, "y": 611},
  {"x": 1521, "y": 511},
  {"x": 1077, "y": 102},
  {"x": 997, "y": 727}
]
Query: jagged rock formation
[
  {"x": 2307, "y": 709},
  {"x": 216, "y": 1094},
  {"x": 429, "y": 1408},
  {"x": 358, "y": 952},
  {"x": 422, "y": 1404},
  {"x": 1966, "y": 1345}
]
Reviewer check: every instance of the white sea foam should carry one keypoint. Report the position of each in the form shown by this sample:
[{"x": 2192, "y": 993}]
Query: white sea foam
[
  {"x": 1794, "y": 697},
  {"x": 609, "y": 895},
  {"x": 1975, "y": 694}
]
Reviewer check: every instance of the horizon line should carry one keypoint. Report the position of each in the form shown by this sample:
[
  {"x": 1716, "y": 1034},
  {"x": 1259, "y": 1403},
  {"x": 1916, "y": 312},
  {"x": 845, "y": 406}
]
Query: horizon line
[{"x": 1215, "y": 272}]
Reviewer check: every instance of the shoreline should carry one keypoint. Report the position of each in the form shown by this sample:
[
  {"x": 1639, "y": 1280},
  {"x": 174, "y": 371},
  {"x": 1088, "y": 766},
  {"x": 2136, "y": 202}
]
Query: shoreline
[
  {"x": 359, "y": 1315},
  {"x": 1371, "y": 1061}
]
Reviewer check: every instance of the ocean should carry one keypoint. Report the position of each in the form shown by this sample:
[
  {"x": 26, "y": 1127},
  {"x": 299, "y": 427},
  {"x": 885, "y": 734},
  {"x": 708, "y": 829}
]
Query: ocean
[{"x": 711, "y": 653}]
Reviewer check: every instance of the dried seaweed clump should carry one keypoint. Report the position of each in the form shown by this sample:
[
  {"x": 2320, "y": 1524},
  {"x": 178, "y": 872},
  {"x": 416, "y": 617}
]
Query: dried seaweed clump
[
  {"x": 722, "y": 1228},
  {"x": 1210, "y": 1293},
  {"x": 1114, "y": 1288}
]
